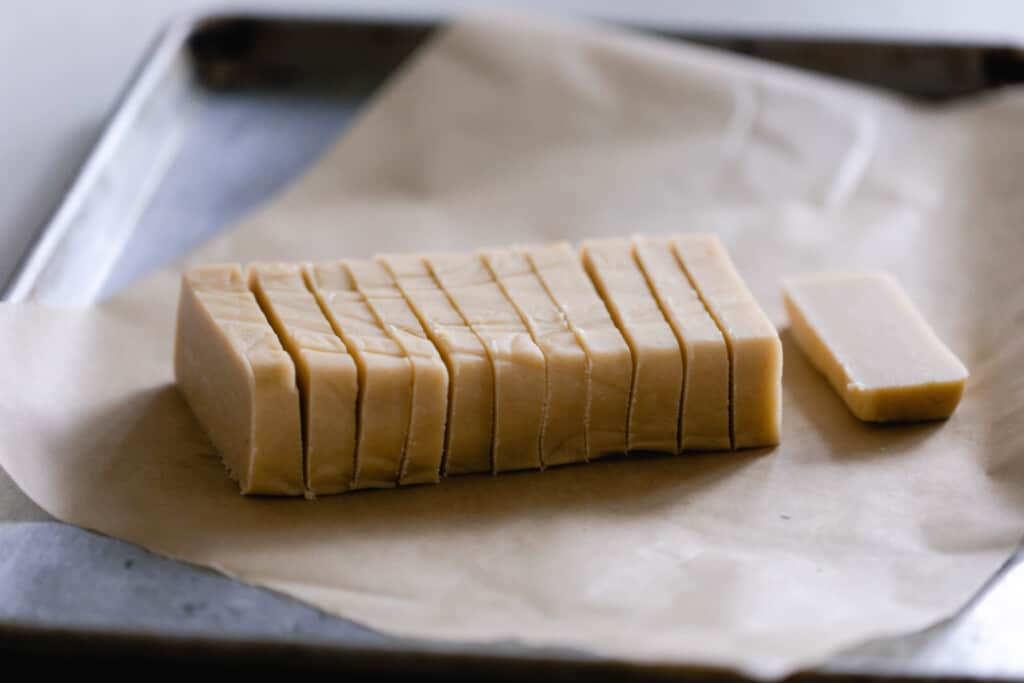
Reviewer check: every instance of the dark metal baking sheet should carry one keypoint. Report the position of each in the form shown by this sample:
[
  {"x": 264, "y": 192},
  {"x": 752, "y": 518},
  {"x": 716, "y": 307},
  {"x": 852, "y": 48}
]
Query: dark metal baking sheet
[{"x": 224, "y": 112}]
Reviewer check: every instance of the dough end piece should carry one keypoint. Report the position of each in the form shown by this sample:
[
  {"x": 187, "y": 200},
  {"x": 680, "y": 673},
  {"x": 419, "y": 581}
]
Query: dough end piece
[
  {"x": 239, "y": 381},
  {"x": 866, "y": 336}
]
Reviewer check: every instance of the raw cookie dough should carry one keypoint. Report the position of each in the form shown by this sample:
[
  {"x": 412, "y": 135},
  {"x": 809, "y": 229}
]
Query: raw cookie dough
[
  {"x": 755, "y": 351},
  {"x": 519, "y": 366},
  {"x": 864, "y": 334},
  {"x": 385, "y": 375},
  {"x": 609, "y": 362},
  {"x": 471, "y": 380},
  {"x": 239, "y": 381},
  {"x": 704, "y": 423},
  {"x": 657, "y": 360},
  {"x": 564, "y": 437},
  {"x": 425, "y": 442},
  {"x": 328, "y": 382}
]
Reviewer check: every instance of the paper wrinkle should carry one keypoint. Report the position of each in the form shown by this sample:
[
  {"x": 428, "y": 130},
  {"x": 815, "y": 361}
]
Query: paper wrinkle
[
  {"x": 740, "y": 124},
  {"x": 504, "y": 132},
  {"x": 854, "y": 164}
]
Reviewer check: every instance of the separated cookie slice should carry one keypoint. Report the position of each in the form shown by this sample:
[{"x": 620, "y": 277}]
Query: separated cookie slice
[
  {"x": 471, "y": 379},
  {"x": 657, "y": 360},
  {"x": 385, "y": 375},
  {"x": 327, "y": 377},
  {"x": 755, "y": 351},
  {"x": 704, "y": 414},
  {"x": 239, "y": 381},
  {"x": 425, "y": 443},
  {"x": 519, "y": 368},
  {"x": 563, "y": 439},
  {"x": 863, "y": 332},
  {"x": 609, "y": 361}
]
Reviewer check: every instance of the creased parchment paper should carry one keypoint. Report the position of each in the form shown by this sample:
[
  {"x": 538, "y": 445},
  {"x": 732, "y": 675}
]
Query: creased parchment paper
[{"x": 505, "y": 131}]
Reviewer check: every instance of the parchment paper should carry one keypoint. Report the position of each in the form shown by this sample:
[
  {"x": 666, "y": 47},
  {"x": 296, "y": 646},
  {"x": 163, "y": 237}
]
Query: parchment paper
[{"x": 506, "y": 131}]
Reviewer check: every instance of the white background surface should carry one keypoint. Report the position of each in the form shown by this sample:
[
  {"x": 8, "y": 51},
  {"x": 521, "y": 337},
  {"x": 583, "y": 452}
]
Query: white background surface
[{"x": 64, "y": 62}]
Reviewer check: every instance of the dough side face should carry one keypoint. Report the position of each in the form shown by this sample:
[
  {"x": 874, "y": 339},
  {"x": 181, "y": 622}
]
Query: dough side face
[
  {"x": 327, "y": 375},
  {"x": 754, "y": 346},
  {"x": 609, "y": 360},
  {"x": 518, "y": 364},
  {"x": 239, "y": 381},
  {"x": 385, "y": 375},
  {"x": 563, "y": 439},
  {"x": 424, "y": 446},
  {"x": 471, "y": 380},
  {"x": 704, "y": 415},
  {"x": 657, "y": 360},
  {"x": 866, "y": 336}
]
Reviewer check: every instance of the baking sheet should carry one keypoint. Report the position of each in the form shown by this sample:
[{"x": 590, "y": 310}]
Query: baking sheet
[
  {"x": 833, "y": 193},
  {"x": 281, "y": 88}
]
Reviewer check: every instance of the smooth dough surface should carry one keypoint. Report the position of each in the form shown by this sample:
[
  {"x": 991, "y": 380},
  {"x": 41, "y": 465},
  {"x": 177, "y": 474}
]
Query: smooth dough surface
[
  {"x": 863, "y": 332},
  {"x": 239, "y": 381},
  {"x": 755, "y": 350},
  {"x": 563, "y": 439},
  {"x": 657, "y": 360},
  {"x": 609, "y": 361},
  {"x": 704, "y": 421},
  {"x": 327, "y": 376},
  {"x": 471, "y": 380},
  {"x": 425, "y": 442},
  {"x": 385, "y": 375},
  {"x": 519, "y": 366}
]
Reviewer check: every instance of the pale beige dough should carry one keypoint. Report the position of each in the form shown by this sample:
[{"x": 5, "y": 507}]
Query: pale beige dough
[
  {"x": 518, "y": 363},
  {"x": 424, "y": 446},
  {"x": 385, "y": 375},
  {"x": 327, "y": 377},
  {"x": 609, "y": 362},
  {"x": 863, "y": 332},
  {"x": 755, "y": 351},
  {"x": 563, "y": 439},
  {"x": 704, "y": 414},
  {"x": 471, "y": 380},
  {"x": 657, "y": 359},
  {"x": 239, "y": 381}
]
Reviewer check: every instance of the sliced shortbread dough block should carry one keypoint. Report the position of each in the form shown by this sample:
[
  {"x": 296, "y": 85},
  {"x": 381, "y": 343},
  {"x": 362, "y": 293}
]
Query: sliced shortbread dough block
[
  {"x": 563, "y": 439},
  {"x": 425, "y": 442},
  {"x": 518, "y": 364},
  {"x": 327, "y": 377},
  {"x": 239, "y": 381},
  {"x": 704, "y": 415},
  {"x": 657, "y": 360},
  {"x": 385, "y": 375},
  {"x": 754, "y": 348},
  {"x": 471, "y": 380},
  {"x": 863, "y": 332},
  {"x": 609, "y": 361}
]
